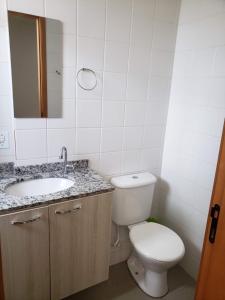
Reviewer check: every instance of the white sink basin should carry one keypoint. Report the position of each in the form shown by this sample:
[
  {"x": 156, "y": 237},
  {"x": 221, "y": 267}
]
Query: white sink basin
[{"x": 36, "y": 187}]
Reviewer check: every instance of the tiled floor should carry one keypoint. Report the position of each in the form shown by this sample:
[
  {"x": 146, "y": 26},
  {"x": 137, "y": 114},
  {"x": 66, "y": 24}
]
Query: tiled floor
[{"x": 121, "y": 286}]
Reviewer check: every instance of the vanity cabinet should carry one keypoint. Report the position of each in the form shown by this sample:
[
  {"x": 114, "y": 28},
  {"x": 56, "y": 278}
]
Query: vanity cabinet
[
  {"x": 57, "y": 250},
  {"x": 80, "y": 233},
  {"x": 25, "y": 255}
]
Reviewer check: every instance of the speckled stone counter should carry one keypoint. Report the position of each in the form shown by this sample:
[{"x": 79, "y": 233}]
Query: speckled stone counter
[{"x": 86, "y": 183}]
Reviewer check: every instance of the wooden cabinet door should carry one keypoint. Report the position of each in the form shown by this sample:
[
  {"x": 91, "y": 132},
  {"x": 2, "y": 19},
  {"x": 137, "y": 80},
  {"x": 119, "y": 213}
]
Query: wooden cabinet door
[
  {"x": 80, "y": 234},
  {"x": 25, "y": 255}
]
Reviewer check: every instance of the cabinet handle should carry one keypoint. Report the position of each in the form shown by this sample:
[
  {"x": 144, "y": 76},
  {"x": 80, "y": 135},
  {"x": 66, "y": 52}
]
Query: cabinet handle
[
  {"x": 26, "y": 221},
  {"x": 69, "y": 211}
]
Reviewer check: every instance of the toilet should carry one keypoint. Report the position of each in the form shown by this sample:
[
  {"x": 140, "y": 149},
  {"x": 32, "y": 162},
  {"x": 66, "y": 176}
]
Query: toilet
[{"x": 156, "y": 247}]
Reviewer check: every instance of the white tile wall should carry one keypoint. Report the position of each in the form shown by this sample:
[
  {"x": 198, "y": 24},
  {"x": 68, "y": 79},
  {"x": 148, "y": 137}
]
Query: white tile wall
[
  {"x": 116, "y": 56},
  {"x": 109, "y": 124},
  {"x": 57, "y": 138},
  {"x": 34, "y": 8},
  {"x": 88, "y": 140},
  {"x": 113, "y": 114},
  {"x": 91, "y": 18},
  {"x": 119, "y": 13},
  {"x": 195, "y": 121},
  {"x": 114, "y": 86},
  {"x": 132, "y": 55},
  {"x": 88, "y": 113},
  {"x": 112, "y": 139},
  {"x": 31, "y": 143}
]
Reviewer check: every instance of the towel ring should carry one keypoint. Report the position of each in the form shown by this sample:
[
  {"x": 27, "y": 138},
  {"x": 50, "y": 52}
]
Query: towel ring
[{"x": 83, "y": 87}]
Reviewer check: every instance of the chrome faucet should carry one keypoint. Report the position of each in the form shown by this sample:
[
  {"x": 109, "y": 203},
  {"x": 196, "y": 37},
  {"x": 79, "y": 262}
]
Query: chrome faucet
[{"x": 66, "y": 166}]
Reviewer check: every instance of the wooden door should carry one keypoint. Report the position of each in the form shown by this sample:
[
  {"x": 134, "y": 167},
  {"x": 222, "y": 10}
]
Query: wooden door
[
  {"x": 80, "y": 235},
  {"x": 211, "y": 281},
  {"x": 25, "y": 255}
]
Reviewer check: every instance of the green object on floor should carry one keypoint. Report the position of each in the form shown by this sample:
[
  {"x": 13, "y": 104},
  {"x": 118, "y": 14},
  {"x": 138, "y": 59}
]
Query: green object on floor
[{"x": 152, "y": 219}]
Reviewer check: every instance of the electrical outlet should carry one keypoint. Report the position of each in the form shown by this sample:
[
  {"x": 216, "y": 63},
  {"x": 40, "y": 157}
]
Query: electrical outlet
[{"x": 4, "y": 139}]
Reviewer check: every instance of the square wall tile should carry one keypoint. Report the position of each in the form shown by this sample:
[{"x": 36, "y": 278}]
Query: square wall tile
[
  {"x": 113, "y": 114},
  {"x": 69, "y": 50},
  {"x": 137, "y": 86},
  {"x": 67, "y": 119},
  {"x": 151, "y": 159},
  {"x": 114, "y": 86},
  {"x": 156, "y": 113},
  {"x": 135, "y": 113},
  {"x": 139, "y": 58},
  {"x": 131, "y": 161},
  {"x": 153, "y": 136},
  {"x": 116, "y": 56},
  {"x": 90, "y": 53},
  {"x": 26, "y": 123},
  {"x": 26, "y": 6},
  {"x": 88, "y": 113},
  {"x": 161, "y": 63},
  {"x": 68, "y": 83},
  {"x": 118, "y": 20},
  {"x": 143, "y": 13},
  {"x": 91, "y": 18},
  {"x": 183, "y": 63},
  {"x": 110, "y": 163},
  {"x": 203, "y": 62},
  {"x": 30, "y": 143},
  {"x": 88, "y": 140},
  {"x": 57, "y": 138},
  {"x": 112, "y": 139},
  {"x": 133, "y": 137},
  {"x": 159, "y": 89},
  {"x": 65, "y": 11}
]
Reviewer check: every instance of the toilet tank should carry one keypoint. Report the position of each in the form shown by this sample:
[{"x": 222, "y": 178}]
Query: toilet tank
[{"x": 132, "y": 198}]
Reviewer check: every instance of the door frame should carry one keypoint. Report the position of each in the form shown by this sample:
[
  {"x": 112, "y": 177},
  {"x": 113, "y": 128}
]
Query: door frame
[{"x": 216, "y": 198}]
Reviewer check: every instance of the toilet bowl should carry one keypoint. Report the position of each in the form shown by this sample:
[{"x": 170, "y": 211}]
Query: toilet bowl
[{"x": 156, "y": 247}]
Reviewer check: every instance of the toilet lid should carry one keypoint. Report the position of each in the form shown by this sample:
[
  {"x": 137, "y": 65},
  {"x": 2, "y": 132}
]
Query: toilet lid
[{"x": 157, "y": 242}]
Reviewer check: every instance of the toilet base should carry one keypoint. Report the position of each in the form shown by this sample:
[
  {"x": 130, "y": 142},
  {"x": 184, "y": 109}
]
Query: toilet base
[{"x": 152, "y": 283}]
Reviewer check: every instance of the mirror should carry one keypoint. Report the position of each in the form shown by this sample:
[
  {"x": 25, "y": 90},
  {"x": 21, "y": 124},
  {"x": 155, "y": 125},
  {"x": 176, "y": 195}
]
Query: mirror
[{"x": 36, "y": 60}]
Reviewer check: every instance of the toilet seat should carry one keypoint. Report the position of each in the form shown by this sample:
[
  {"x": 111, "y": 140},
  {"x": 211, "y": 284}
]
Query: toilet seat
[{"x": 157, "y": 242}]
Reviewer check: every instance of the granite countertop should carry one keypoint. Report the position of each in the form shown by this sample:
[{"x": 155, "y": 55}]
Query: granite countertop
[{"x": 86, "y": 183}]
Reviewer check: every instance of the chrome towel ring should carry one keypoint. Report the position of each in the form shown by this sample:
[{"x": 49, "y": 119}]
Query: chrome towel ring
[{"x": 90, "y": 71}]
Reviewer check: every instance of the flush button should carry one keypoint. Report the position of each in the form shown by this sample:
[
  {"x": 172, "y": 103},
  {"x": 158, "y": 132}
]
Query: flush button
[{"x": 135, "y": 177}]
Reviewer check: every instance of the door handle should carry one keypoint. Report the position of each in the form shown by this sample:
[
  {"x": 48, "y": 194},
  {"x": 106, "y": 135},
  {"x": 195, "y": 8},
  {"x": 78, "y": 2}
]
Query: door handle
[
  {"x": 26, "y": 221},
  {"x": 215, "y": 211},
  {"x": 69, "y": 211}
]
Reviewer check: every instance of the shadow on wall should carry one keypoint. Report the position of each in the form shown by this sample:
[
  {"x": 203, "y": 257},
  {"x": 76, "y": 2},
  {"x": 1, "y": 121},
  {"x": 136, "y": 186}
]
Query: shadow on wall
[{"x": 170, "y": 219}]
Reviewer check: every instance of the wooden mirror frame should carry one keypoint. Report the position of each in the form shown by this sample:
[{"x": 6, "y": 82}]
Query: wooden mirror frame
[{"x": 41, "y": 60}]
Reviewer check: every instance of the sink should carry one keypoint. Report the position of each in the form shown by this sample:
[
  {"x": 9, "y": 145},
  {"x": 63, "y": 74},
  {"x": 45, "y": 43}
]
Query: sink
[{"x": 41, "y": 186}]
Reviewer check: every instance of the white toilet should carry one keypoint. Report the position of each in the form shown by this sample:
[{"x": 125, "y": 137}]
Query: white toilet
[{"x": 156, "y": 247}]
